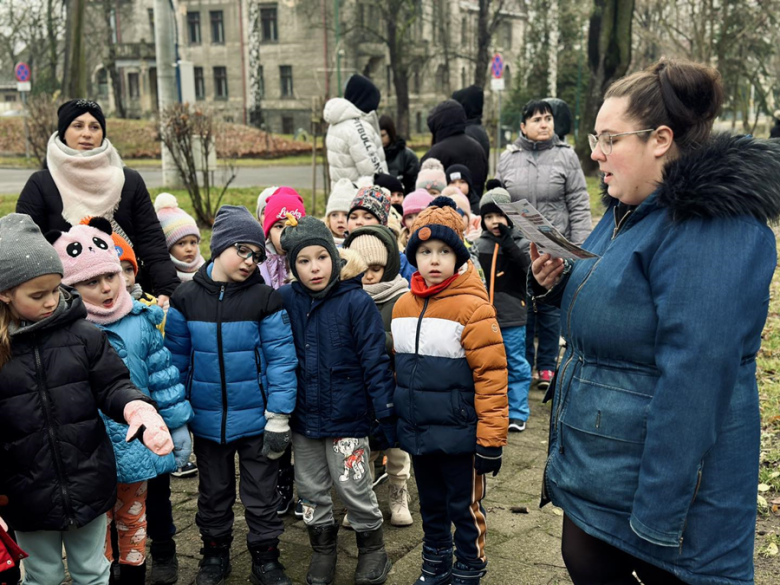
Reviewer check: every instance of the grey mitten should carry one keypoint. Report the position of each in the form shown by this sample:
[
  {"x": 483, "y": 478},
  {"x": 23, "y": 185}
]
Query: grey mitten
[{"x": 276, "y": 437}]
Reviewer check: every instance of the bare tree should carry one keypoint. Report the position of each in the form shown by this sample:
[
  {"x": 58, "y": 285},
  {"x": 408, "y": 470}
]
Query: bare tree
[
  {"x": 74, "y": 82},
  {"x": 491, "y": 15},
  {"x": 108, "y": 7}
]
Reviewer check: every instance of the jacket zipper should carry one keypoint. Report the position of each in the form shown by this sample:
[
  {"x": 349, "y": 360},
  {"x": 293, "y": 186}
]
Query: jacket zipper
[
  {"x": 695, "y": 493},
  {"x": 417, "y": 359},
  {"x": 188, "y": 389},
  {"x": 222, "y": 364},
  {"x": 260, "y": 378},
  {"x": 43, "y": 392},
  {"x": 619, "y": 224}
]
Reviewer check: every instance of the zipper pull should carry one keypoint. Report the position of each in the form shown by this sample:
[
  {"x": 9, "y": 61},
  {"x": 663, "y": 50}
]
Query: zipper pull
[{"x": 222, "y": 292}]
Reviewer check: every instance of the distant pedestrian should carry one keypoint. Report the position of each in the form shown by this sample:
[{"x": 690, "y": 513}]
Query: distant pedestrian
[
  {"x": 402, "y": 162},
  {"x": 472, "y": 98}
]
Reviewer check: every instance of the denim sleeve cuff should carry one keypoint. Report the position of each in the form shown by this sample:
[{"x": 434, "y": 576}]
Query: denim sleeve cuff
[{"x": 654, "y": 536}]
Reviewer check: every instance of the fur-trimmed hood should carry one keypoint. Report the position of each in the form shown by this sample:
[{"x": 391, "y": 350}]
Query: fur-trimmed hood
[
  {"x": 352, "y": 264},
  {"x": 727, "y": 177}
]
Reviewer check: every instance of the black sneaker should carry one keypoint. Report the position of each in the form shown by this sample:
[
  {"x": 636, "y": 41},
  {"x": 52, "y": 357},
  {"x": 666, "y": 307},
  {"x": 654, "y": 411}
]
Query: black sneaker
[
  {"x": 285, "y": 489},
  {"x": 189, "y": 470},
  {"x": 516, "y": 425},
  {"x": 299, "y": 508}
]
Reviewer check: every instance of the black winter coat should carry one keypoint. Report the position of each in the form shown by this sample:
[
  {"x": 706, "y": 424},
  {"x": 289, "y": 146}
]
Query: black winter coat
[
  {"x": 451, "y": 145},
  {"x": 40, "y": 199},
  {"x": 472, "y": 99},
  {"x": 57, "y": 464},
  {"x": 402, "y": 164},
  {"x": 507, "y": 288}
]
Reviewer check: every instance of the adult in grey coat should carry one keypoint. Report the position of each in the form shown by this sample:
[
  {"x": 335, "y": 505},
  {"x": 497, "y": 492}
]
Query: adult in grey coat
[{"x": 541, "y": 168}]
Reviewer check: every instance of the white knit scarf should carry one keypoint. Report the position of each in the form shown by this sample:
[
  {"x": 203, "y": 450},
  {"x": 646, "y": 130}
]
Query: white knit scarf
[
  {"x": 186, "y": 270},
  {"x": 90, "y": 182},
  {"x": 384, "y": 291}
]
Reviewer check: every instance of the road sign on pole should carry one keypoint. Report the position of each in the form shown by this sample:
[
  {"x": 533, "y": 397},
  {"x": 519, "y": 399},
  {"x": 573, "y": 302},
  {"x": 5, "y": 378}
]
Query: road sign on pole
[
  {"x": 22, "y": 72},
  {"x": 497, "y": 66}
]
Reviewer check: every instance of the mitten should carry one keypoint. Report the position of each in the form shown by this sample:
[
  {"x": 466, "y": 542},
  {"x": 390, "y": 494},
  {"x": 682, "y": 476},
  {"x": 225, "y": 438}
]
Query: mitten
[
  {"x": 143, "y": 419},
  {"x": 182, "y": 445},
  {"x": 488, "y": 460},
  {"x": 505, "y": 239},
  {"x": 384, "y": 434},
  {"x": 276, "y": 437}
]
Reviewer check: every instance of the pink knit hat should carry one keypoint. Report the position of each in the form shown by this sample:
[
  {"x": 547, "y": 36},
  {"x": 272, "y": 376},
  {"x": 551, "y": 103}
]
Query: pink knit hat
[
  {"x": 416, "y": 201},
  {"x": 284, "y": 200},
  {"x": 87, "y": 252},
  {"x": 459, "y": 198},
  {"x": 176, "y": 223}
]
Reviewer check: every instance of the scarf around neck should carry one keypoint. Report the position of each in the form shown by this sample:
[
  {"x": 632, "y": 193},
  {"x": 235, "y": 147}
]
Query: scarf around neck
[
  {"x": 382, "y": 292},
  {"x": 420, "y": 289},
  {"x": 90, "y": 183},
  {"x": 186, "y": 270},
  {"x": 102, "y": 316}
]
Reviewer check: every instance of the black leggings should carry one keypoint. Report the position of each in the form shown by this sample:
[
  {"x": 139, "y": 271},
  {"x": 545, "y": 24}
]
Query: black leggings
[{"x": 591, "y": 561}]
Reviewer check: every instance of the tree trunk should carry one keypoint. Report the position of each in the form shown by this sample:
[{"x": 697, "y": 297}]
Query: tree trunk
[
  {"x": 609, "y": 55},
  {"x": 400, "y": 79},
  {"x": 52, "y": 41},
  {"x": 552, "y": 75},
  {"x": 483, "y": 44},
  {"x": 110, "y": 63},
  {"x": 74, "y": 84}
]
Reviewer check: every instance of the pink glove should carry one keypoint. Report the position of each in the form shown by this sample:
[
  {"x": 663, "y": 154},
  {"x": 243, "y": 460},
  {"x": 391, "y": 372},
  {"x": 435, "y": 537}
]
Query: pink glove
[{"x": 157, "y": 438}]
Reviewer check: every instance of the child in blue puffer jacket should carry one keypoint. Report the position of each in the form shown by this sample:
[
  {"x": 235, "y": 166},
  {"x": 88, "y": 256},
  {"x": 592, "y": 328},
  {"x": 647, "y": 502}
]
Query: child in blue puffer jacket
[
  {"x": 92, "y": 266},
  {"x": 230, "y": 338}
]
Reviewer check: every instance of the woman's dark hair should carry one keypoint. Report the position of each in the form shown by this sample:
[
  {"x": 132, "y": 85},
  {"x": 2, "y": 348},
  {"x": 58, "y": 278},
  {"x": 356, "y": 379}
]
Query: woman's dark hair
[
  {"x": 386, "y": 123},
  {"x": 683, "y": 95},
  {"x": 535, "y": 107}
]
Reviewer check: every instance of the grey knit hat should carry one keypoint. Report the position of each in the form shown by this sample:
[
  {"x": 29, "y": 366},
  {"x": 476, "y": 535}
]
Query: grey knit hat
[
  {"x": 234, "y": 224},
  {"x": 310, "y": 231},
  {"x": 490, "y": 203},
  {"x": 24, "y": 252}
]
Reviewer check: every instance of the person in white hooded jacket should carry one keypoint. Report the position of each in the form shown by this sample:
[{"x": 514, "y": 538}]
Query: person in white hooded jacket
[{"x": 353, "y": 140}]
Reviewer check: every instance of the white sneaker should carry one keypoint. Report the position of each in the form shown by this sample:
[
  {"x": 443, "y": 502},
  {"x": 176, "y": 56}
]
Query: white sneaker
[
  {"x": 399, "y": 506},
  {"x": 516, "y": 425}
]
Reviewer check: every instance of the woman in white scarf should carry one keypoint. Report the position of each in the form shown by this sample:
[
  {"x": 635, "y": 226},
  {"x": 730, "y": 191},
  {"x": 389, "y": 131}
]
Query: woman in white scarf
[{"x": 85, "y": 177}]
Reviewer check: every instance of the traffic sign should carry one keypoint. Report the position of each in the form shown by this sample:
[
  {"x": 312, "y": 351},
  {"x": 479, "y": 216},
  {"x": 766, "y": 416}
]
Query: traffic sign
[
  {"x": 22, "y": 72},
  {"x": 22, "y": 86},
  {"x": 497, "y": 66},
  {"x": 497, "y": 84}
]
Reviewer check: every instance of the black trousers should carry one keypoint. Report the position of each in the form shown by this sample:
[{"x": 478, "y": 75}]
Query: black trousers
[
  {"x": 159, "y": 512},
  {"x": 591, "y": 561},
  {"x": 450, "y": 493},
  {"x": 217, "y": 489}
]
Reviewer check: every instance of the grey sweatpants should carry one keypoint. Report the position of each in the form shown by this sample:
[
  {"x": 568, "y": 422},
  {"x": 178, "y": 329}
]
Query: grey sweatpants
[{"x": 341, "y": 463}]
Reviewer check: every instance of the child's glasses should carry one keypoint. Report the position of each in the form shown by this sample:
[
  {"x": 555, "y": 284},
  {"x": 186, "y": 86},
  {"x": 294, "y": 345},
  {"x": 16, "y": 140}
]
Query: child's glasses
[{"x": 247, "y": 253}]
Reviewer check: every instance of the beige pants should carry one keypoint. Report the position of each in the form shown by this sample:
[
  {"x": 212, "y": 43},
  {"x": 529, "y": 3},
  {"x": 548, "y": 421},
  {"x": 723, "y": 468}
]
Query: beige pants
[{"x": 399, "y": 465}]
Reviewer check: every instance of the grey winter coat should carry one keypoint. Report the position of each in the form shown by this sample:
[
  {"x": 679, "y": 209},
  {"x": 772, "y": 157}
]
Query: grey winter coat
[{"x": 549, "y": 175}]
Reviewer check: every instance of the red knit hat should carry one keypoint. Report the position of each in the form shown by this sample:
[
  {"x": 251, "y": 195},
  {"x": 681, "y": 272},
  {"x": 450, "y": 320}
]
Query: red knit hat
[{"x": 284, "y": 200}]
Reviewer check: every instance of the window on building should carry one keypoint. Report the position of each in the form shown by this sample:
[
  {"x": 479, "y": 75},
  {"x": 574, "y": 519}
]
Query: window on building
[
  {"x": 102, "y": 80},
  {"x": 464, "y": 31},
  {"x": 416, "y": 80},
  {"x": 260, "y": 82},
  {"x": 133, "y": 86},
  {"x": 200, "y": 84},
  {"x": 418, "y": 123},
  {"x": 193, "y": 27},
  {"x": 151, "y": 22},
  {"x": 506, "y": 35},
  {"x": 220, "y": 83},
  {"x": 286, "y": 80},
  {"x": 10, "y": 98},
  {"x": 288, "y": 125},
  {"x": 269, "y": 24},
  {"x": 217, "y": 27},
  {"x": 442, "y": 79}
]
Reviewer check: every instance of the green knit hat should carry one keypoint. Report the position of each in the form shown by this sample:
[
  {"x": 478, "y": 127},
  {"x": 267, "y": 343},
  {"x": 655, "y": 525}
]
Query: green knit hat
[{"x": 310, "y": 231}]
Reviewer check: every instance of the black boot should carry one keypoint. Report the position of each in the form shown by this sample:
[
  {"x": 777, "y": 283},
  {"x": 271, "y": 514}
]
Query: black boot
[
  {"x": 132, "y": 575},
  {"x": 285, "y": 489},
  {"x": 373, "y": 563},
  {"x": 322, "y": 568},
  {"x": 436, "y": 567},
  {"x": 464, "y": 575},
  {"x": 165, "y": 565},
  {"x": 266, "y": 568},
  {"x": 215, "y": 566}
]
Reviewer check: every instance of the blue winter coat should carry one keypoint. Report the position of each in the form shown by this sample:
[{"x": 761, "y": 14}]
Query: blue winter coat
[
  {"x": 654, "y": 438},
  {"x": 233, "y": 347},
  {"x": 138, "y": 342},
  {"x": 344, "y": 377}
]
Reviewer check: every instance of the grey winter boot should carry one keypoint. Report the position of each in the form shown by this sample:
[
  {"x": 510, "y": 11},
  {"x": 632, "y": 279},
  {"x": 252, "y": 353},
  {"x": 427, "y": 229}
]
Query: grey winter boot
[{"x": 373, "y": 562}]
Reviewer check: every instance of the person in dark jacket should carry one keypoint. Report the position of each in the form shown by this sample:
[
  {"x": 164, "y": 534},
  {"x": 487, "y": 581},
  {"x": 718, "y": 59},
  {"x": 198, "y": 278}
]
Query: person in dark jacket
[
  {"x": 451, "y": 145},
  {"x": 562, "y": 118},
  {"x": 57, "y": 372},
  {"x": 230, "y": 338},
  {"x": 504, "y": 256},
  {"x": 344, "y": 386},
  {"x": 85, "y": 177},
  {"x": 472, "y": 98},
  {"x": 402, "y": 162},
  {"x": 774, "y": 132}
]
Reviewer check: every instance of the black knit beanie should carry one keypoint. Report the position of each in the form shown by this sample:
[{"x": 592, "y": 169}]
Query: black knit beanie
[{"x": 71, "y": 110}]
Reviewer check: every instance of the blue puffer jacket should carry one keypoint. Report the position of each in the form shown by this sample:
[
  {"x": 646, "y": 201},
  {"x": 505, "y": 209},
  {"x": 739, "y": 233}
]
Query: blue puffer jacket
[
  {"x": 655, "y": 432},
  {"x": 344, "y": 377},
  {"x": 233, "y": 346},
  {"x": 140, "y": 345}
]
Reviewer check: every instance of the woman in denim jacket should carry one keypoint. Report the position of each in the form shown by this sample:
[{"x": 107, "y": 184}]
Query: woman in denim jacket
[{"x": 654, "y": 437}]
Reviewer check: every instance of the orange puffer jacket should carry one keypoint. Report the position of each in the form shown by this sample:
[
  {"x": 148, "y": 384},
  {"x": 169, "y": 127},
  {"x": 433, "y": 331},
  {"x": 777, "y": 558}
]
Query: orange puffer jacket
[{"x": 451, "y": 392}]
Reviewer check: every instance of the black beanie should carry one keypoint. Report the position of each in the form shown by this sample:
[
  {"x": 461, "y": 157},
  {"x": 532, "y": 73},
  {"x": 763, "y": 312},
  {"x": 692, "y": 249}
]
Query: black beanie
[
  {"x": 389, "y": 182},
  {"x": 71, "y": 110},
  {"x": 363, "y": 93}
]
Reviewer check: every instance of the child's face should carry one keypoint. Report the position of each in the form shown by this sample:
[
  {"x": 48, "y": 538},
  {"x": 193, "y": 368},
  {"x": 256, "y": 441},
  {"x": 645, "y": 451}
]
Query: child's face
[
  {"x": 35, "y": 299},
  {"x": 409, "y": 220},
  {"x": 186, "y": 249},
  {"x": 397, "y": 198},
  {"x": 231, "y": 266},
  {"x": 462, "y": 185},
  {"x": 314, "y": 267},
  {"x": 337, "y": 222},
  {"x": 102, "y": 291},
  {"x": 275, "y": 233},
  {"x": 359, "y": 218},
  {"x": 492, "y": 221},
  {"x": 435, "y": 261},
  {"x": 373, "y": 274},
  {"x": 128, "y": 273}
]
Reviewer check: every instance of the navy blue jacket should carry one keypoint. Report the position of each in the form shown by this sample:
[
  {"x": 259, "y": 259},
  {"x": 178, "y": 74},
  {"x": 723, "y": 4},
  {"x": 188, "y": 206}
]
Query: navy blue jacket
[
  {"x": 232, "y": 345},
  {"x": 344, "y": 377}
]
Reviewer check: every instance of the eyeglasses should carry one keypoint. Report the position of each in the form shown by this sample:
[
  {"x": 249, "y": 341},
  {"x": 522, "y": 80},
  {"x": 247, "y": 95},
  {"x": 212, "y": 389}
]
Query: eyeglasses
[
  {"x": 247, "y": 253},
  {"x": 604, "y": 141}
]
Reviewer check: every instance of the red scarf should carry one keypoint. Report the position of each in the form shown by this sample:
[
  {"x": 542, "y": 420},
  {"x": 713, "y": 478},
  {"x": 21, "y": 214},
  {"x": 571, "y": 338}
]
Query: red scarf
[{"x": 420, "y": 289}]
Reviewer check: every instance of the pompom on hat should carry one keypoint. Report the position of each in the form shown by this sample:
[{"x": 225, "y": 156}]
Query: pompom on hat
[
  {"x": 284, "y": 201},
  {"x": 439, "y": 221},
  {"x": 176, "y": 223}
]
